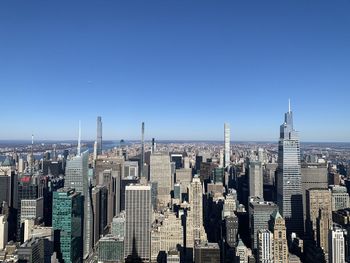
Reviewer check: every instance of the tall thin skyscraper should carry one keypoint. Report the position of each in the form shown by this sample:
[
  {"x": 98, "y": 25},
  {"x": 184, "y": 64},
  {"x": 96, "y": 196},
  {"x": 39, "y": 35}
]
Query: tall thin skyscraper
[
  {"x": 99, "y": 135},
  {"x": 138, "y": 215},
  {"x": 227, "y": 139},
  {"x": 289, "y": 195},
  {"x": 142, "y": 149}
]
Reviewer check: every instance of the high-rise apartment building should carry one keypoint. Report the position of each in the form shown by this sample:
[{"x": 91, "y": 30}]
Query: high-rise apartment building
[
  {"x": 138, "y": 215},
  {"x": 227, "y": 140},
  {"x": 99, "y": 136},
  {"x": 289, "y": 195}
]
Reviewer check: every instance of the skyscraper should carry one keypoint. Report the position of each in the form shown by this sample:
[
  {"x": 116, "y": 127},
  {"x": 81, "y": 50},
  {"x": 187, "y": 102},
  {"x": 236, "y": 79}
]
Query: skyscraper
[
  {"x": 318, "y": 202},
  {"x": 160, "y": 177},
  {"x": 3, "y": 231},
  {"x": 256, "y": 179},
  {"x": 138, "y": 216},
  {"x": 77, "y": 177},
  {"x": 195, "y": 215},
  {"x": 259, "y": 216},
  {"x": 289, "y": 195},
  {"x": 227, "y": 139},
  {"x": 99, "y": 135},
  {"x": 142, "y": 163},
  {"x": 336, "y": 245},
  {"x": 265, "y": 246},
  {"x": 280, "y": 246},
  {"x": 67, "y": 223}
]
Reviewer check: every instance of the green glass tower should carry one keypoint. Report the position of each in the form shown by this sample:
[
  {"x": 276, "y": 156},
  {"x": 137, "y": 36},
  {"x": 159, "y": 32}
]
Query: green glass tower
[{"x": 67, "y": 222}]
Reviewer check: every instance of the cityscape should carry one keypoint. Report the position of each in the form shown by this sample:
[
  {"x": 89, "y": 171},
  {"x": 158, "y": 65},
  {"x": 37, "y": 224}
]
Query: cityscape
[
  {"x": 174, "y": 131},
  {"x": 163, "y": 201}
]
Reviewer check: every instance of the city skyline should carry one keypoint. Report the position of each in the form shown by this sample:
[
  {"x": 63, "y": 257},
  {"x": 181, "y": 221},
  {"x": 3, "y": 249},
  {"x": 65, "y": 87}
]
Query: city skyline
[{"x": 182, "y": 68}]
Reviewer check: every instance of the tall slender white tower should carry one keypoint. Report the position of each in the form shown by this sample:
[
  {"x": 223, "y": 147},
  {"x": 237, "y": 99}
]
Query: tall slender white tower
[
  {"x": 142, "y": 149},
  {"x": 99, "y": 135},
  {"x": 227, "y": 138}
]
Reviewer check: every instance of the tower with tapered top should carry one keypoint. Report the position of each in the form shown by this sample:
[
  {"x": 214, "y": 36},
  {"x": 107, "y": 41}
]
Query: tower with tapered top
[{"x": 289, "y": 193}]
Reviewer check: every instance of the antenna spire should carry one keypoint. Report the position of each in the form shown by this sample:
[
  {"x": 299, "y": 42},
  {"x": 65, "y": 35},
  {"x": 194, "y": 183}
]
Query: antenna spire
[
  {"x": 289, "y": 106},
  {"x": 79, "y": 138}
]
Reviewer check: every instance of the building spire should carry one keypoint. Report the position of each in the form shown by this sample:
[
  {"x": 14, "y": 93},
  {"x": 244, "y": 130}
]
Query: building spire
[
  {"x": 289, "y": 106},
  {"x": 79, "y": 139}
]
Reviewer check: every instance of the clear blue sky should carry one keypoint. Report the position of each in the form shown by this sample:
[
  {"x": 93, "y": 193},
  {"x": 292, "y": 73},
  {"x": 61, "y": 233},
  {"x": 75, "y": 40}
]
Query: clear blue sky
[{"x": 184, "y": 67}]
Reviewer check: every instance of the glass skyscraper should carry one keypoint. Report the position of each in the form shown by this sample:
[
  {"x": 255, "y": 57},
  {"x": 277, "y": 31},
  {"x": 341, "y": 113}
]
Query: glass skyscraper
[
  {"x": 77, "y": 177},
  {"x": 289, "y": 195},
  {"x": 67, "y": 223}
]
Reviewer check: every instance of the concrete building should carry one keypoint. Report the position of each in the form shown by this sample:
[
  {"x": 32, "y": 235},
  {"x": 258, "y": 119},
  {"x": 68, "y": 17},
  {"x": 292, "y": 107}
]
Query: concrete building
[
  {"x": 118, "y": 225},
  {"x": 231, "y": 230},
  {"x": 256, "y": 179},
  {"x": 277, "y": 226},
  {"x": 195, "y": 215},
  {"x": 31, "y": 251},
  {"x": 138, "y": 215},
  {"x": 160, "y": 177},
  {"x": 319, "y": 216},
  {"x": 184, "y": 178},
  {"x": 340, "y": 197},
  {"x": 313, "y": 175},
  {"x": 32, "y": 209},
  {"x": 166, "y": 234},
  {"x": 242, "y": 253},
  {"x": 230, "y": 203},
  {"x": 259, "y": 215}
]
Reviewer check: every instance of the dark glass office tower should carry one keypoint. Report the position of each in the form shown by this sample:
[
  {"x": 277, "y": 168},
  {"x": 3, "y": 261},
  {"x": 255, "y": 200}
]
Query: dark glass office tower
[{"x": 289, "y": 195}]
